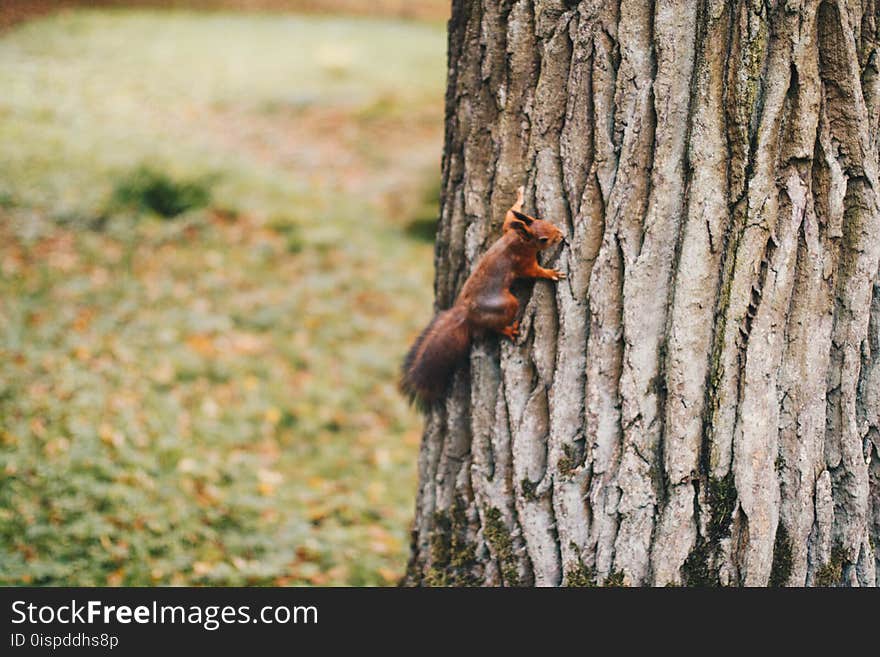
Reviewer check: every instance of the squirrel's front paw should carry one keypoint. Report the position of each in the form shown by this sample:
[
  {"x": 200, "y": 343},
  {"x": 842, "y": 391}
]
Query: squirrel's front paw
[{"x": 555, "y": 275}]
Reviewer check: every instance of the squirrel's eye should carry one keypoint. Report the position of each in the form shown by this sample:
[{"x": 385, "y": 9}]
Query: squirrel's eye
[{"x": 544, "y": 239}]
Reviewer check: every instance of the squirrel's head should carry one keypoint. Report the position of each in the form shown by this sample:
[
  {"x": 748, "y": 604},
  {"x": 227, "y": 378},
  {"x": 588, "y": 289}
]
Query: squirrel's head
[{"x": 541, "y": 234}]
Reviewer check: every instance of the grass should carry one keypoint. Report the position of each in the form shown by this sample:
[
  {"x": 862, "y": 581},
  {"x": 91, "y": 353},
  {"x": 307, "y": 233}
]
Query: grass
[{"x": 210, "y": 398}]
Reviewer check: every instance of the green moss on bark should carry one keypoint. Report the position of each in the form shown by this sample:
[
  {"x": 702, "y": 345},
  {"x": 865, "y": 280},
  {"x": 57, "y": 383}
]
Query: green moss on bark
[
  {"x": 700, "y": 569},
  {"x": 569, "y": 461},
  {"x": 696, "y": 570},
  {"x": 453, "y": 556},
  {"x": 831, "y": 574},
  {"x": 578, "y": 574},
  {"x": 614, "y": 579},
  {"x": 722, "y": 502},
  {"x": 781, "y": 569},
  {"x": 529, "y": 490},
  {"x": 499, "y": 539}
]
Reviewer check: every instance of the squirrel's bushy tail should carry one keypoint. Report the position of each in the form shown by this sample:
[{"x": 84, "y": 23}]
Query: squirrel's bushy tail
[{"x": 433, "y": 357}]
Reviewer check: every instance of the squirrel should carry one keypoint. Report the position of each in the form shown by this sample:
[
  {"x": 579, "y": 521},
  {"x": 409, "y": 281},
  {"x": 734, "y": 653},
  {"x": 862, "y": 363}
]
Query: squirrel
[{"x": 484, "y": 303}]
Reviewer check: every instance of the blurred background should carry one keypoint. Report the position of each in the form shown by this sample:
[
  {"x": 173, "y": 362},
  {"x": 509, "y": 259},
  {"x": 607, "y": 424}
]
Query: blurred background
[{"x": 216, "y": 225}]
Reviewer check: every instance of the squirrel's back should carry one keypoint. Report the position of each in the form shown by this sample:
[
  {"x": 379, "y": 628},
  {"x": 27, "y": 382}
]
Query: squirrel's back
[{"x": 434, "y": 356}]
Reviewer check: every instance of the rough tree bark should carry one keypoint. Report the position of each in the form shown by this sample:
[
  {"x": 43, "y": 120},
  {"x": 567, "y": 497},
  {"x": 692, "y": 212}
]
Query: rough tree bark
[{"x": 699, "y": 402}]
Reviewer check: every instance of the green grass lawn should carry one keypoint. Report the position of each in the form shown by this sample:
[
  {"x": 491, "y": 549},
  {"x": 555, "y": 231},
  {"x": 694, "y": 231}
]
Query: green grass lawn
[{"x": 211, "y": 398}]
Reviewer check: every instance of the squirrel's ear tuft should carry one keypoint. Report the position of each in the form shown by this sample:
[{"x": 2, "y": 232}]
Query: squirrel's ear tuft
[{"x": 526, "y": 219}]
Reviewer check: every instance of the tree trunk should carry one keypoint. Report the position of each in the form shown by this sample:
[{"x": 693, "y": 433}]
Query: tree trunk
[{"x": 699, "y": 402}]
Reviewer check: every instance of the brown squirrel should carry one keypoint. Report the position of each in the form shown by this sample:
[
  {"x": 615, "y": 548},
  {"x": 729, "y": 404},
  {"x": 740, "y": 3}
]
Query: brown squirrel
[{"x": 484, "y": 303}]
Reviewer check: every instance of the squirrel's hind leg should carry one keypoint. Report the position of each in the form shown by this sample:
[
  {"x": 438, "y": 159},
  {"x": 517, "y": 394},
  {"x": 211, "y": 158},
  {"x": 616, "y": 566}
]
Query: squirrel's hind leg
[
  {"x": 497, "y": 313},
  {"x": 511, "y": 331}
]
